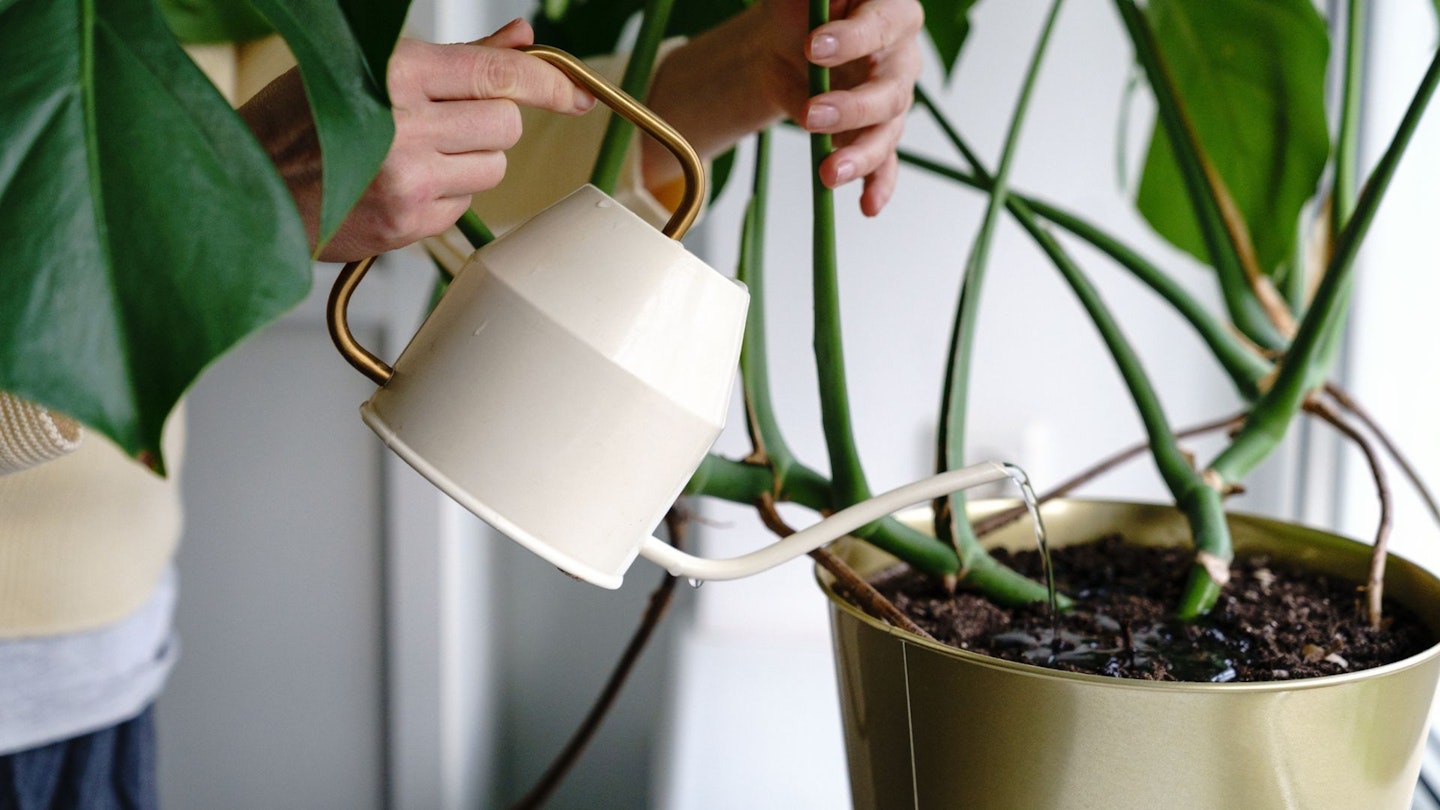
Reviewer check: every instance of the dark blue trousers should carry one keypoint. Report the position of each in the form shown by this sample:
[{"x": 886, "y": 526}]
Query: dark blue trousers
[{"x": 110, "y": 769}]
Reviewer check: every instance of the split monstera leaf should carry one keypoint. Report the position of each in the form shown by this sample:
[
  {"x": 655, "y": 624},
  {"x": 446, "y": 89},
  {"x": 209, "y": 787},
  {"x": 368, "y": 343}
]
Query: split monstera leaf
[{"x": 145, "y": 231}]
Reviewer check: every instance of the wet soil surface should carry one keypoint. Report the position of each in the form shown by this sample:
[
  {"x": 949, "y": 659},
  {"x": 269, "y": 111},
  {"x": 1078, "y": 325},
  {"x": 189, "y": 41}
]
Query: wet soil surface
[{"x": 1270, "y": 623}]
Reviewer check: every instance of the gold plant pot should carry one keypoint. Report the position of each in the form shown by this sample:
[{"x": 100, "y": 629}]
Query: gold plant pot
[{"x": 929, "y": 726}]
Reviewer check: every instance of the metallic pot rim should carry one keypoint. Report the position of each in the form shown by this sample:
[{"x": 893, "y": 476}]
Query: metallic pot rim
[{"x": 823, "y": 579}]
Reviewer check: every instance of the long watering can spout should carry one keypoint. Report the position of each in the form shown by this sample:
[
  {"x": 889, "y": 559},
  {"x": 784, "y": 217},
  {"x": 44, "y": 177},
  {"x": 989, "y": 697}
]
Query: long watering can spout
[{"x": 826, "y": 531}]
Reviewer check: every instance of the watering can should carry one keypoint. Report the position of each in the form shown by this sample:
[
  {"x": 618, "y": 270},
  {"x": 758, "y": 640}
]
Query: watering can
[{"x": 574, "y": 375}]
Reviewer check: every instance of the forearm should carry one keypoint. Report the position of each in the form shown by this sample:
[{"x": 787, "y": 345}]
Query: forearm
[{"x": 714, "y": 91}]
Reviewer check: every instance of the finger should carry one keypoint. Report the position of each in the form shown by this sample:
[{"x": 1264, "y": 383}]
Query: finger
[
  {"x": 456, "y": 127},
  {"x": 397, "y": 209},
  {"x": 458, "y": 72},
  {"x": 880, "y": 187},
  {"x": 515, "y": 34},
  {"x": 871, "y": 27},
  {"x": 871, "y": 103},
  {"x": 470, "y": 173},
  {"x": 863, "y": 155}
]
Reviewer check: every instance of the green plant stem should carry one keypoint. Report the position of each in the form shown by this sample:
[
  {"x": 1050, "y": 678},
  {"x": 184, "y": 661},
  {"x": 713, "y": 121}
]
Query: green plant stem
[
  {"x": 1342, "y": 195},
  {"x": 952, "y": 523},
  {"x": 1273, "y": 412},
  {"x": 1347, "y": 141},
  {"x": 474, "y": 230},
  {"x": 477, "y": 234},
  {"x": 635, "y": 81},
  {"x": 1175, "y": 468},
  {"x": 1198, "y": 501},
  {"x": 1221, "y": 242},
  {"x": 1244, "y": 367},
  {"x": 765, "y": 435},
  {"x": 1205, "y": 512},
  {"x": 848, "y": 478}
]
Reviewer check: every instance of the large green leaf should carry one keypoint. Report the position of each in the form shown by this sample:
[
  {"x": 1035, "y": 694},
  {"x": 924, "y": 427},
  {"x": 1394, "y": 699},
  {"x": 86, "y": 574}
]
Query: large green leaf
[
  {"x": 214, "y": 20},
  {"x": 1250, "y": 75},
  {"x": 143, "y": 229},
  {"x": 947, "y": 22},
  {"x": 376, "y": 25}
]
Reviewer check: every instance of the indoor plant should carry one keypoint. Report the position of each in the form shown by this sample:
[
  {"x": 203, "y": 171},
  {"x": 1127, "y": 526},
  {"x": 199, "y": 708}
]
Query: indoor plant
[
  {"x": 1174, "y": 466},
  {"x": 1202, "y": 192}
]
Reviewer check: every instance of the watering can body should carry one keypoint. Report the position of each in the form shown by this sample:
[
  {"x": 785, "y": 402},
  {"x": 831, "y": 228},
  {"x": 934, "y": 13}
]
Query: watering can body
[{"x": 581, "y": 338}]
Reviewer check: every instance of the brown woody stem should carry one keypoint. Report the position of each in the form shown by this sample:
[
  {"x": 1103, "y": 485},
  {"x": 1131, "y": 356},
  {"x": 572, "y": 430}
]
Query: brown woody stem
[
  {"x": 1375, "y": 582},
  {"x": 675, "y": 522}
]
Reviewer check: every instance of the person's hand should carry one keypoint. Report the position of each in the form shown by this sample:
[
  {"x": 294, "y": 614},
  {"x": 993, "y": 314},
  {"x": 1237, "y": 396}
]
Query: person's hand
[
  {"x": 752, "y": 69},
  {"x": 456, "y": 112},
  {"x": 873, "y": 49}
]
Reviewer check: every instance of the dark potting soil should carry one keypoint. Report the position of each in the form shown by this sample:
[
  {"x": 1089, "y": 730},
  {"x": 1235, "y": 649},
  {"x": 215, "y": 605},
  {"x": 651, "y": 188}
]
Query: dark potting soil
[{"x": 1271, "y": 622}]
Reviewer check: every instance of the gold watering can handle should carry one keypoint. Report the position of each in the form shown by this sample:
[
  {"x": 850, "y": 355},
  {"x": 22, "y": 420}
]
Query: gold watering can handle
[{"x": 613, "y": 97}]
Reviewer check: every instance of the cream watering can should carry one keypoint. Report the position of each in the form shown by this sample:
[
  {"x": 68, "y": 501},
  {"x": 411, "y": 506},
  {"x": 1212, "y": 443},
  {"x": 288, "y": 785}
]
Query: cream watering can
[{"x": 575, "y": 374}]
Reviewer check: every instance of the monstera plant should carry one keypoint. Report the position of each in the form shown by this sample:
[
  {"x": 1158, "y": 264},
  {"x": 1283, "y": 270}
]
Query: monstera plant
[{"x": 147, "y": 232}]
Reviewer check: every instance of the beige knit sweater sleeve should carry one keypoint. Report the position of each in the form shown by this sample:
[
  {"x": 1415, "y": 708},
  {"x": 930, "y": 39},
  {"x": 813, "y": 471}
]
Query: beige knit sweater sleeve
[{"x": 31, "y": 434}]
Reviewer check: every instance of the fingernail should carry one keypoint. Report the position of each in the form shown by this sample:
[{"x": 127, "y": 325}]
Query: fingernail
[
  {"x": 844, "y": 173},
  {"x": 824, "y": 46},
  {"x": 584, "y": 101},
  {"x": 821, "y": 116}
]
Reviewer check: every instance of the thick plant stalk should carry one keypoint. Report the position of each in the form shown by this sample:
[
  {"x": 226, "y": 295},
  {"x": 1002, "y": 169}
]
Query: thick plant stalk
[
  {"x": 1273, "y": 412},
  {"x": 1194, "y": 496},
  {"x": 1347, "y": 142},
  {"x": 951, "y": 521},
  {"x": 1226, "y": 244},
  {"x": 847, "y": 478},
  {"x": 770, "y": 446},
  {"x": 1342, "y": 193},
  {"x": 636, "y": 79},
  {"x": 474, "y": 230}
]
